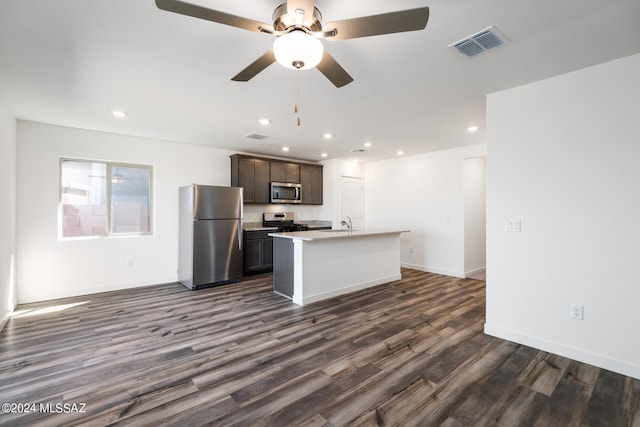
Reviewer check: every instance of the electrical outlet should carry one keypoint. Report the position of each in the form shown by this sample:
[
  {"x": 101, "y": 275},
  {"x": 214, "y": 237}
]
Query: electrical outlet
[
  {"x": 576, "y": 312},
  {"x": 410, "y": 250},
  {"x": 513, "y": 225},
  {"x": 130, "y": 262}
]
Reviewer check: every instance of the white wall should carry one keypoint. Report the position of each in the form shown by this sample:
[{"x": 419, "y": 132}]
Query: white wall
[
  {"x": 333, "y": 171},
  {"x": 475, "y": 215},
  {"x": 51, "y": 268},
  {"x": 563, "y": 157},
  {"x": 424, "y": 193},
  {"x": 7, "y": 212}
]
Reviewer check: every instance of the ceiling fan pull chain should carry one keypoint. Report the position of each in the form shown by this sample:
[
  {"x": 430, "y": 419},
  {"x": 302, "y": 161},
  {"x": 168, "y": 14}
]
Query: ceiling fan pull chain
[{"x": 296, "y": 110}]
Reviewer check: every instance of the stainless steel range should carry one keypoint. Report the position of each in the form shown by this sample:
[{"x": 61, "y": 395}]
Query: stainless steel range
[{"x": 285, "y": 221}]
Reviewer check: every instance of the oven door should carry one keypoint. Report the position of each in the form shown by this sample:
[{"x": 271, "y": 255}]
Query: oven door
[{"x": 286, "y": 192}]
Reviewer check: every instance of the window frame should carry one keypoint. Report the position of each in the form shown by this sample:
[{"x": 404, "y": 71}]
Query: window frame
[{"x": 110, "y": 166}]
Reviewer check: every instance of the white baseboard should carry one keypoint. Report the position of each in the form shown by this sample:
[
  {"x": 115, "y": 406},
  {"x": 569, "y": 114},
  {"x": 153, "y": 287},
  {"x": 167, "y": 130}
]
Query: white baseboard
[
  {"x": 434, "y": 270},
  {"x": 5, "y": 320},
  {"x": 69, "y": 293},
  {"x": 475, "y": 271},
  {"x": 336, "y": 292},
  {"x": 595, "y": 359}
]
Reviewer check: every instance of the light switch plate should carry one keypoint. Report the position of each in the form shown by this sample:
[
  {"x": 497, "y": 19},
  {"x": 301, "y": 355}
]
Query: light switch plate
[{"x": 513, "y": 225}]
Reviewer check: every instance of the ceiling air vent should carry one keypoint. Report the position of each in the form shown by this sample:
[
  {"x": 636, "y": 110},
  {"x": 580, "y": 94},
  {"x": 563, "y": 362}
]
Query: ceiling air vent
[
  {"x": 481, "y": 41},
  {"x": 256, "y": 136}
]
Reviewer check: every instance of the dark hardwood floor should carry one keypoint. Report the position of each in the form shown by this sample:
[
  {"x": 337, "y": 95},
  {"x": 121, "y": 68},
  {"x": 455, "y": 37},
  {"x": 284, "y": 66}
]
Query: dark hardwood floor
[{"x": 408, "y": 353}]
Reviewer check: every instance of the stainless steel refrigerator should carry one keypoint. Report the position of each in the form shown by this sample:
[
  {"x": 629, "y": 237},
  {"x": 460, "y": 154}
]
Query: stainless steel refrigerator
[{"x": 210, "y": 236}]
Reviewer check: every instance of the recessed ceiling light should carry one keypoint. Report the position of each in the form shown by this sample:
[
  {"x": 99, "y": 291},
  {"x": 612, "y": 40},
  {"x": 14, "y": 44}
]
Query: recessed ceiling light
[
  {"x": 472, "y": 129},
  {"x": 264, "y": 122},
  {"x": 324, "y": 155},
  {"x": 285, "y": 148},
  {"x": 327, "y": 135},
  {"x": 399, "y": 152},
  {"x": 119, "y": 114},
  {"x": 367, "y": 144}
]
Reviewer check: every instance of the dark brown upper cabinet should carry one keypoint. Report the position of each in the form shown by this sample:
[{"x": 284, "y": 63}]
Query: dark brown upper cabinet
[
  {"x": 255, "y": 174},
  {"x": 285, "y": 172},
  {"x": 311, "y": 181}
]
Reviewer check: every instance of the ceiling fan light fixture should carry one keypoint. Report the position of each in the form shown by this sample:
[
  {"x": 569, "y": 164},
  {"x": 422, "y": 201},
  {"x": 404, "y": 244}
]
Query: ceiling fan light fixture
[
  {"x": 117, "y": 178},
  {"x": 298, "y": 50}
]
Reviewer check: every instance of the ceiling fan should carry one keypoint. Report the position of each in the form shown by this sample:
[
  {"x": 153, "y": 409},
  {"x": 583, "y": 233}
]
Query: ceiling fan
[{"x": 298, "y": 26}]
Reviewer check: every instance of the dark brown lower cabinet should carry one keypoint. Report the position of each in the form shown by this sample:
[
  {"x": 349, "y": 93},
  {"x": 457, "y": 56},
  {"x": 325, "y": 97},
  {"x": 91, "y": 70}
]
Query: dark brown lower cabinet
[{"x": 257, "y": 252}]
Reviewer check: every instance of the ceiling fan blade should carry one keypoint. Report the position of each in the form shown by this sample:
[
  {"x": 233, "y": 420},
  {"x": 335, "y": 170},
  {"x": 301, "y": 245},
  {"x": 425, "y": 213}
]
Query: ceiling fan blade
[
  {"x": 255, "y": 67},
  {"x": 333, "y": 71},
  {"x": 213, "y": 15},
  {"x": 387, "y": 23}
]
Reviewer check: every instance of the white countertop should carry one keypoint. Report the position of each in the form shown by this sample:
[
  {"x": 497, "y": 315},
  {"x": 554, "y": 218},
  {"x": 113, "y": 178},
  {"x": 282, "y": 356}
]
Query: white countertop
[{"x": 336, "y": 234}]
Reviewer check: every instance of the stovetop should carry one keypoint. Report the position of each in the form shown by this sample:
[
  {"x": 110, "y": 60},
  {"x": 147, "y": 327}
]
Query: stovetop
[{"x": 293, "y": 227}]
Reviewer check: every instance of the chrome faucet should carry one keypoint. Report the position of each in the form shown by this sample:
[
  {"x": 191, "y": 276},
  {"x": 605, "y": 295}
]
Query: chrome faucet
[{"x": 349, "y": 224}]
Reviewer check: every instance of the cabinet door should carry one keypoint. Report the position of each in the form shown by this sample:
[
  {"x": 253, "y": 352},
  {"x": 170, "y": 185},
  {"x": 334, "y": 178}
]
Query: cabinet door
[
  {"x": 261, "y": 185},
  {"x": 285, "y": 172},
  {"x": 246, "y": 178},
  {"x": 252, "y": 259},
  {"x": 253, "y": 175},
  {"x": 277, "y": 171},
  {"x": 292, "y": 173},
  {"x": 258, "y": 252},
  {"x": 267, "y": 253},
  {"x": 311, "y": 180}
]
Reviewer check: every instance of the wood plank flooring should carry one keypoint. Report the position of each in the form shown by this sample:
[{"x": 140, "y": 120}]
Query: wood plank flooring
[{"x": 408, "y": 353}]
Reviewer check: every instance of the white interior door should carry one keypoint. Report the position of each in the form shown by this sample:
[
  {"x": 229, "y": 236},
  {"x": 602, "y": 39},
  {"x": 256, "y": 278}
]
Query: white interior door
[{"x": 351, "y": 203}]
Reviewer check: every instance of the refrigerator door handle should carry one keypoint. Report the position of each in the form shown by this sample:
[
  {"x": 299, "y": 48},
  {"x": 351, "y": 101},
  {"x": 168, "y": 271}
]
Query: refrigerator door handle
[{"x": 241, "y": 209}]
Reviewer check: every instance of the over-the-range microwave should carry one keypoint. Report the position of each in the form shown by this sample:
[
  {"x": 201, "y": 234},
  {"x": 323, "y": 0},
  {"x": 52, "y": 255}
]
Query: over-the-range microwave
[{"x": 286, "y": 192}]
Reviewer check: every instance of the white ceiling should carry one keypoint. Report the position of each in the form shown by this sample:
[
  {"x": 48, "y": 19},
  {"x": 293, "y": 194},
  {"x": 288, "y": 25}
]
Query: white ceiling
[{"x": 71, "y": 62}]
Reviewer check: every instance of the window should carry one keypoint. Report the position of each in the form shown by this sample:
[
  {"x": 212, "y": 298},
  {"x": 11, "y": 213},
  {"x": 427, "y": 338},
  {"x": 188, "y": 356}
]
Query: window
[{"x": 104, "y": 198}]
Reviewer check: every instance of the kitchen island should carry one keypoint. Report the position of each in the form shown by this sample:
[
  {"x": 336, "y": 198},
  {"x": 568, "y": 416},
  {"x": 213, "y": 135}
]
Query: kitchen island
[{"x": 310, "y": 266}]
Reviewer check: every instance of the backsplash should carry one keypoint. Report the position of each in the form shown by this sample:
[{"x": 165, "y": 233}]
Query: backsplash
[{"x": 253, "y": 213}]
